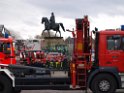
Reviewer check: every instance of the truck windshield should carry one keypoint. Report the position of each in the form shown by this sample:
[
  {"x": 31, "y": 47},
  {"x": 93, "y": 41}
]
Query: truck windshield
[{"x": 4, "y": 47}]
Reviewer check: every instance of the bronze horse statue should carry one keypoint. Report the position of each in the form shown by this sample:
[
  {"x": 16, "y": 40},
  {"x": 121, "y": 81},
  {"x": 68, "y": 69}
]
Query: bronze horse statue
[{"x": 48, "y": 26}]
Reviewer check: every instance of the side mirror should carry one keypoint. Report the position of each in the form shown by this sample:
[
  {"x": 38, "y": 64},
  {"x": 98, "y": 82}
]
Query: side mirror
[{"x": 95, "y": 30}]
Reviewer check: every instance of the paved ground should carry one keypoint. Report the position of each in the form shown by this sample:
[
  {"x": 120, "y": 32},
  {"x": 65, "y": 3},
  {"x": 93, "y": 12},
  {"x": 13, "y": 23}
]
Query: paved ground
[{"x": 61, "y": 91}]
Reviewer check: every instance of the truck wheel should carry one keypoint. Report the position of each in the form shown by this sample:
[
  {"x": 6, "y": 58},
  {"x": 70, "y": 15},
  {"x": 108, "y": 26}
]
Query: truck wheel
[
  {"x": 5, "y": 85},
  {"x": 103, "y": 83}
]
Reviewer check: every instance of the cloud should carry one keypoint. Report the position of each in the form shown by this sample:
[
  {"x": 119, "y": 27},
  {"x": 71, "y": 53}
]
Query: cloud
[
  {"x": 24, "y": 16},
  {"x": 19, "y": 16},
  {"x": 74, "y": 8},
  {"x": 104, "y": 21}
]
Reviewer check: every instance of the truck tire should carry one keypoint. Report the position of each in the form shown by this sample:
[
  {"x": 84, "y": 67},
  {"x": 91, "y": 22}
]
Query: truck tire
[
  {"x": 103, "y": 83},
  {"x": 5, "y": 85}
]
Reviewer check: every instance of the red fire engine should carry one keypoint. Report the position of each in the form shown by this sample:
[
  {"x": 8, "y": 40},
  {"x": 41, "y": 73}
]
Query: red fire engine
[
  {"x": 104, "y": 75},
  {"x": 7, "y": 55}
]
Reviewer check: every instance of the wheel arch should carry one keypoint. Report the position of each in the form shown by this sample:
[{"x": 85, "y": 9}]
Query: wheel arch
[{"x": 111, "y": 71}]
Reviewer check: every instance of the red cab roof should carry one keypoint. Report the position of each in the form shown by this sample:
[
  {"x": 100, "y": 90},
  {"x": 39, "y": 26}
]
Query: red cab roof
[{"x": 116, "y": 32}]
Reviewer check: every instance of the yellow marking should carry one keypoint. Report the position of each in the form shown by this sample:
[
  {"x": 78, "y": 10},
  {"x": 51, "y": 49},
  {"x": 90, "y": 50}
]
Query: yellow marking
[{"x": 80, "y": 46}]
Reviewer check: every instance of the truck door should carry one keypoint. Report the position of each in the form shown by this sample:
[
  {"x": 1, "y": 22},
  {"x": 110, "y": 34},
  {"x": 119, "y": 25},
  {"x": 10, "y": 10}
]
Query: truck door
[{"x": 114, "y": 52}]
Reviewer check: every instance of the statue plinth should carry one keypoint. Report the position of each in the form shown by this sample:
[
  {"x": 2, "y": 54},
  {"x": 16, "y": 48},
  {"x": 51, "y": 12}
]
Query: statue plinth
[{"x": 53, "y": 41}]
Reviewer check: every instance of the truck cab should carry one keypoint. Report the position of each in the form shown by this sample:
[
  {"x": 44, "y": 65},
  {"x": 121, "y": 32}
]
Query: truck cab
[
  {"x": 7, "y": 55},
  {"x": 111, "y": 49},
  {"x": 108, "y": 67}
]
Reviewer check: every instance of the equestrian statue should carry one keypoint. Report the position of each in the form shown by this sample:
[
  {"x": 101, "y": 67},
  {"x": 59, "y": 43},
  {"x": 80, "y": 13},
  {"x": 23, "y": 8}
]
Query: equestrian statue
[{"x": 52, "y": 25}]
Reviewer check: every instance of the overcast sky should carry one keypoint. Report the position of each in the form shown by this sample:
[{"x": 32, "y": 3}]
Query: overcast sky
[{"x": 24, "y": 16}]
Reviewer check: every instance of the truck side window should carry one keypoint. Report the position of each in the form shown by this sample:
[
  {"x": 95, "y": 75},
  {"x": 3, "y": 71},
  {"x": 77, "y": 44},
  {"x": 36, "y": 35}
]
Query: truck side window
[{"x": 113, "y": 43}]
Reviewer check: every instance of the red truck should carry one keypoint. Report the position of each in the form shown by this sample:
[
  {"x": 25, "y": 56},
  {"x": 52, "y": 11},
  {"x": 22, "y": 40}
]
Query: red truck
[
  {"x": 33, "y": 58},
  {"x": 7, "y": 55},
  {"x": 104, "y": 75}
]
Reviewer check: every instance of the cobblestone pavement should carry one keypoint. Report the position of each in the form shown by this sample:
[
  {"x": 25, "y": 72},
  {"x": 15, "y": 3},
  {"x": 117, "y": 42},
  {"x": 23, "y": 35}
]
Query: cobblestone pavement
[{"x": 61, "y": 91}]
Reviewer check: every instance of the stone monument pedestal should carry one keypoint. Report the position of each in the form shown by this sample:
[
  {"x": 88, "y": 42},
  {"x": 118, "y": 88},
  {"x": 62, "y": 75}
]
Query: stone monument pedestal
[{"x": 52, "y": 42}]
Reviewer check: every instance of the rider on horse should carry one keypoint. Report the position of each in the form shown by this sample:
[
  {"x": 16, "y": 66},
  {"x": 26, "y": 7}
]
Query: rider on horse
[
  {"x": 51, "y": 24},
  {"x": 52, "y": 20}
]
